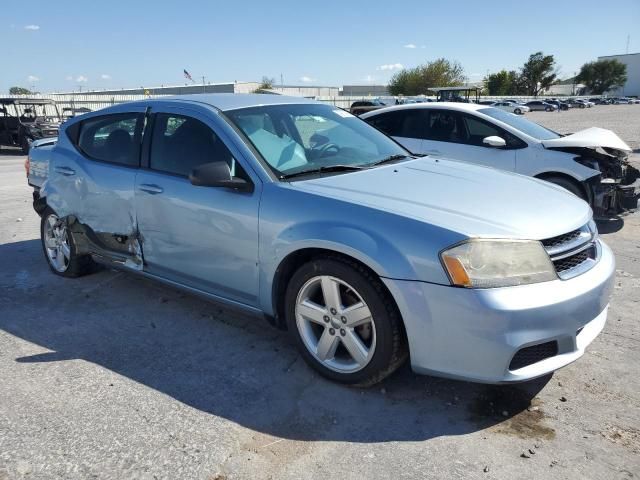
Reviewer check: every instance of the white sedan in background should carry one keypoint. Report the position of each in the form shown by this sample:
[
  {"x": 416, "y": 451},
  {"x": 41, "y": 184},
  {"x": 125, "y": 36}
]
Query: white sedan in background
[
  {"x": 591, "y": 163},
  {"x": 516, "y": 108}
]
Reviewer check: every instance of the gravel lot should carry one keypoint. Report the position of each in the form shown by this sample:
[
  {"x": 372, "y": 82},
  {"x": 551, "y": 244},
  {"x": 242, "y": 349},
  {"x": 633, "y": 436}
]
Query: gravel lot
[
  {"x": 112, "y": 376},
  {"x": 622, "y": 119}
]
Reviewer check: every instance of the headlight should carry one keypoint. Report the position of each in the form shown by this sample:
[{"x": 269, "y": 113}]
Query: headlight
[{"x": 497, "y": 263}]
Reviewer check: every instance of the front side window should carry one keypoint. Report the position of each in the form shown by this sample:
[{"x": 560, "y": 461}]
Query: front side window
[
  {"x": 307, "y": 137},
  {"x": 112, "y": 138},
  {"x": 180, "y": 143}
]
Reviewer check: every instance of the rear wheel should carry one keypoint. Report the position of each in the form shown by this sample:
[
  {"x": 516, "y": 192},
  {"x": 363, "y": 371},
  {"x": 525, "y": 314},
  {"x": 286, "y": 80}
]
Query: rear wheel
[
  {"x": 344, "y": 322},
  {"x": 59, "y": 248},
  {"x": 517, "y": 111}
]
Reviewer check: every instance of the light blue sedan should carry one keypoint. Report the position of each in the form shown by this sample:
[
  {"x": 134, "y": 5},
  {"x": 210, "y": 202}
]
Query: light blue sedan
[{"x": 303, "y": 213}]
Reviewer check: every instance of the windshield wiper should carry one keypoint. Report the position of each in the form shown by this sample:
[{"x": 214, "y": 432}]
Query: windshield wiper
[
  {"x": 326, "y": 168},
  {"x": 389, "y": 159}
]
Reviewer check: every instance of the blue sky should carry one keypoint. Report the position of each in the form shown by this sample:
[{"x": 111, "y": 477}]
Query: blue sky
[{"x": 59, "y": 45}]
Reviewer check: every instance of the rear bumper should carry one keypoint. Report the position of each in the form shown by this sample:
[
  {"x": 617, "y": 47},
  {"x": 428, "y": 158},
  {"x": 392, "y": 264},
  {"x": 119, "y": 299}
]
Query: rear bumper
[{"x": 474, "y": 334}]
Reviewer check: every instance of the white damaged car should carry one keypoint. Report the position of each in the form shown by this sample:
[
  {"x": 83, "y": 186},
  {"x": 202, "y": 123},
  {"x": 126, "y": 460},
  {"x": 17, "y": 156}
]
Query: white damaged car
[{"x": 591, "y": 164}]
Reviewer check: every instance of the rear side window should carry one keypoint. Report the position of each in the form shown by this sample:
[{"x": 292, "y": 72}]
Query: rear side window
[
  {"x": 112, "y": 138},
  {"x": 407, "y": 123},
  {"x": 445, "y": 126},
  {"x": 181, "y": 143}
]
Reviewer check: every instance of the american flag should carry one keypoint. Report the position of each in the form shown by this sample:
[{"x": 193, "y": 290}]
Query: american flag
[{"x": 187, "y": 75}]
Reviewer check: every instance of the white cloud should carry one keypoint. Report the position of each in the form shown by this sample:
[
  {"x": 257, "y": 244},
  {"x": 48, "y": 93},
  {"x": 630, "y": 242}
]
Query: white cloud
[
  {"x": 410, "y": 45},
  {"x": 105, "y": 76},
  {"x": 32, "y": 27},
  {"x": 32, "y": 78},
  {"x": 81, "y": 78},
  {"x": 391, "y": 66},
  {"x": 307, "y": 79}
]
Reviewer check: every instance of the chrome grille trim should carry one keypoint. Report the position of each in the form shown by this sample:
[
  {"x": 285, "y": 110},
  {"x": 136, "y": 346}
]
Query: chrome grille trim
[{"x": 573, "y": 253}]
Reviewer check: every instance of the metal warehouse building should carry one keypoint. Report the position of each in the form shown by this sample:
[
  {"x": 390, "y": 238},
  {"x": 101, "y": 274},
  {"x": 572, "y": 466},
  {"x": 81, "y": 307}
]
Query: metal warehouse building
[{"x": 632, "y": 61}]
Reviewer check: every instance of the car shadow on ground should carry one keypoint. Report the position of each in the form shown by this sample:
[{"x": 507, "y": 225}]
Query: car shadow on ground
[
  {"x": 234, "y": 366},
  {"x": 610, "y": 224}
]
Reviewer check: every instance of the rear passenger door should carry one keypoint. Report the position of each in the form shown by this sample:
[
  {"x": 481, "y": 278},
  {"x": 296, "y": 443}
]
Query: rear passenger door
[
  {"x": 95, "y": 180},
  {"x": 202, "y": 237}
]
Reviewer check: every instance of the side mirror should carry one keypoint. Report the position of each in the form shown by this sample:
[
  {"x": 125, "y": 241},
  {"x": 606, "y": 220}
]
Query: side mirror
[
  {"x": 494, "y": 141},
  {"x": 217, "y": 174}
]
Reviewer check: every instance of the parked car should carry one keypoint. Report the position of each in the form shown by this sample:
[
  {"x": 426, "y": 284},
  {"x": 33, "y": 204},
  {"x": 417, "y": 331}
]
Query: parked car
[
  {"x": 487, "y": 102},
  {"x": 360, "y": 107},
  {"x": 559, "y": 104},
  {"x": 592, "y": 163},
  {"x": 579, "y": 103},
  {"x": 512, "y": 107},
  {"x": 302, "y": 212},
  {"x": 23, "y": 120},
  {"x": 540, "y": 105}
]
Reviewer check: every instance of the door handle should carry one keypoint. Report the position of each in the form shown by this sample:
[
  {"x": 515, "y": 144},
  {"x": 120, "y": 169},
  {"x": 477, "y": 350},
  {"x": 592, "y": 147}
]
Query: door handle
[
  {"x": 65, "y": 171},
  {"x": 150, "y": 188}
]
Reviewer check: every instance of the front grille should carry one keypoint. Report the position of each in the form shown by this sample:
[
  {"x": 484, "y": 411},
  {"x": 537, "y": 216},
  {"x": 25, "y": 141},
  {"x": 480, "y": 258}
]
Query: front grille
[
  {"x": 573, "y": 261},
  {"x": 561, "y": 239},
  {"x": 533, "y": 354},
  {"x": 572, "y": 253}
]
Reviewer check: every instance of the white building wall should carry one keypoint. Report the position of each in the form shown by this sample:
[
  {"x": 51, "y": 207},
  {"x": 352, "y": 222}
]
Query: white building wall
[{"x": 632, "y": 61}]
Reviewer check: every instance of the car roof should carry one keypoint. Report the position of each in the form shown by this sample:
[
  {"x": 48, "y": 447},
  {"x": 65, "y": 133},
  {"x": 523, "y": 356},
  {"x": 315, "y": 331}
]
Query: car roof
[
  {"x": 234, "y": 101},
  {"x": 461, "y": 107}
]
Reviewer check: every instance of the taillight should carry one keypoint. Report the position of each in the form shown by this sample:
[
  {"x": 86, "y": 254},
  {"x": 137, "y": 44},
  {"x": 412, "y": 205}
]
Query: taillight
[{"x": 26, "y": 165}]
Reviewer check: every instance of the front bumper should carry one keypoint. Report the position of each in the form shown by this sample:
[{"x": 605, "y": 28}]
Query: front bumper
[{"x": 474, "y": 334}]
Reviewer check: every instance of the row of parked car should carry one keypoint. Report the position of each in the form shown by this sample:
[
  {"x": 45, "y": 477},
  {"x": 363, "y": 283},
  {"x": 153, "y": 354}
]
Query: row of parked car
[
  {"x": 367, "y": 250},
  {"x": 518, "y": 107}
]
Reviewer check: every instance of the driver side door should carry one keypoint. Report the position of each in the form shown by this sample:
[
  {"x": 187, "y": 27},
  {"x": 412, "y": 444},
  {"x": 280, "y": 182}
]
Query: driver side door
[{"x": 202, "y": 237}]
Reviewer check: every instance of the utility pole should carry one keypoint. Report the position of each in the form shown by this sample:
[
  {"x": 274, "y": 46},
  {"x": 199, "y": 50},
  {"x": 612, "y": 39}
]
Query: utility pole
[
  {"x": 281, "y": 81},
  {"x": 204, "y": 89},
  {"x": 628, "y": 40}
]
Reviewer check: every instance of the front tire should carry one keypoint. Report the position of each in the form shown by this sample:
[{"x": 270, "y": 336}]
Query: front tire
[
  {"x": 518, "y": 111},
  {"x": 59, "y": 248},
  {"x": 568, "y": 185},
  {"x": 344, "y": 322},
  {"x": 548, "y": 109}
]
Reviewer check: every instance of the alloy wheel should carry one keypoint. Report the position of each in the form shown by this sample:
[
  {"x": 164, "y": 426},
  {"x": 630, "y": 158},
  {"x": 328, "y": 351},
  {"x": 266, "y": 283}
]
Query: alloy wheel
[
  {"x": 335, "y": 324},
  {"x": 56, "y": 242}
]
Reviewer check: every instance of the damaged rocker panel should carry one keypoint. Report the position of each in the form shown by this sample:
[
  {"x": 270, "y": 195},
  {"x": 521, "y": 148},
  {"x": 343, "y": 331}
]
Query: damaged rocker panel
[{"x": 111, "y": 248}]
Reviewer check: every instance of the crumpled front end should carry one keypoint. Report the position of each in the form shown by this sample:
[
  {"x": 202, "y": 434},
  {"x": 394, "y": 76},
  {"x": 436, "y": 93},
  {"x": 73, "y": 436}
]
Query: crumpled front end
[{"x": 617, "y": 186}]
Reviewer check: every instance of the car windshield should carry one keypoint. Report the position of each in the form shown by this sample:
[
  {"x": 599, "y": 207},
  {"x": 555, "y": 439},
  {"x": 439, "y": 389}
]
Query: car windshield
[
  {"x": 525, "y": 126},
  {"x": 294, "y": 139},
  {"x": 29, "y": 113}
]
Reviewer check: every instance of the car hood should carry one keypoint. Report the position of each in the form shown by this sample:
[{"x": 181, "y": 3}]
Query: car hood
[
  {"x": 468, "y": 199},
  {"x": 593, "y": 137}
]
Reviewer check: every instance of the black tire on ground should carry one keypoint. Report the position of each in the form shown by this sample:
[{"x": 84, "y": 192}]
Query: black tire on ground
[
  {"x": 25, "y": 145},
  {"x": 568, "y": 185},
  {"x": 548, "y": 109},
  {"x": 390, "y": 348},
  {"x": 517, "y": 111},
  {"x": 79, "y": 265},
  {"x": 582, "y": 106}
]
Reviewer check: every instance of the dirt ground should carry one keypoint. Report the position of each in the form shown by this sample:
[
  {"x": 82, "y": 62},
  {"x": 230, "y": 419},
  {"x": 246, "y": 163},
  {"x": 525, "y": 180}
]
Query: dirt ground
[{"x": 115, "y": 377}]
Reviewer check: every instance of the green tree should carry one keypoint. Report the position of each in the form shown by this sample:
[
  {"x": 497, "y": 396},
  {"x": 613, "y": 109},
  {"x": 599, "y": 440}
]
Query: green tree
[
  {"x": 503, "y": 83},
  {"x": 418, "y": 80},
  {"x": 538, "y": 73},
  {"x": 603, "y": 75},
  {"x": 19, "y": 91}
]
